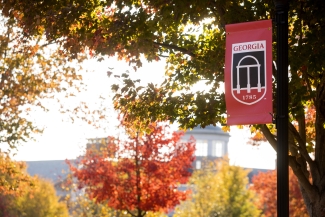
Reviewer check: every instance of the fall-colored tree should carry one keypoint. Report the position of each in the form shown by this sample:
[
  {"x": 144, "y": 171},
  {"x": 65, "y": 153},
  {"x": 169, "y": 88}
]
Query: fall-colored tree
[
  {"x": 14, "y": 181},
  {"x": 80, "y": 204},
  {"x": 191, "y": 35},
  {"x": 39, "y": 201},
  {"x": 264, "y": 184},
  {"x": 30, "y": 70},
  {"x": 219, "y": 189},
  {"x": 138, "y": 174},
  {"x": 13, "y": 176},
  {"x": 23, "y": 195}
]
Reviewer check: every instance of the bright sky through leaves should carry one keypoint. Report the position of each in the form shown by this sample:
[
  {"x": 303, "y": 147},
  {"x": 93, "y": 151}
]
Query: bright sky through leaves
[{"x": 63, "y": 139}]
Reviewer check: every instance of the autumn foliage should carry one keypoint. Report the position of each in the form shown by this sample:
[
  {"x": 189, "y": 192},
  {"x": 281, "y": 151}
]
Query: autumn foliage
[
  {"x": 30, "y": 70},
  {"x": 24, "y": 195},
  {"x": 13, "y": 176},
  {"x": 190, "y": 36},
  {"x": 265, "y": 186},
  {"x": 138, "y": 174},
  {"x": 219, "y": 190}
]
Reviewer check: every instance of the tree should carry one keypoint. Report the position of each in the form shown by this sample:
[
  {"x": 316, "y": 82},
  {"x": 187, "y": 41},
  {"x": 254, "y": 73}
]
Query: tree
[
  {"x": 23, "y": 195},
  {"x": 219, "y": 189},
  {"x": 13, "y": 181},
  {"x": 80, "y": 204},
  {"x": 191, "y": 35},
  {"x": 83, "y": 206},
  {"x": 13, "y": 176},
  {"x": 138, "y": 174},
  {"x": 31, "y": 69},
  {"x": 264, "y": 184},
  {"x": 40, "y": 201}
]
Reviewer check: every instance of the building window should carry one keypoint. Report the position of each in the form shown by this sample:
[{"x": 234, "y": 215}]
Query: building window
[
  {"x": 201, "y": 148},
  {"x": 217, "y": 149},
  {"x": 198, "y": 164}
]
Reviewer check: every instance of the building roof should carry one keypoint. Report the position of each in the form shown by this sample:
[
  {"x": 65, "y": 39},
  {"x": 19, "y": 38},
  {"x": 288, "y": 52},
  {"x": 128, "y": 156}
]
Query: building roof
[
  {"x": 210, "y": 129},
  {"x": 52, "y": 170}
]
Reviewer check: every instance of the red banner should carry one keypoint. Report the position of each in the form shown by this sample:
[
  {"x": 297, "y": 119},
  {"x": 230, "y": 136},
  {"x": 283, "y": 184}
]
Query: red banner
[{"x": 248, "y": 73}]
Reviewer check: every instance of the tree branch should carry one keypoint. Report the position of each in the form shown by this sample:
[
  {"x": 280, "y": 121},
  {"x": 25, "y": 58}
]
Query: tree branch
[
  {"x": 293, "y": 148},
  {"x": 49, "y": 43},
  {"x": 218, "y": 10},
  {"x": 303, "y": 180},
  {"x": 301, "y": 144},
  {"x": 175, "y": 47},
  {"x": 302, "y": 126},
  {"x": 131, "y": 213},
  {"x": 269, "y": 136},
  {"x": 303, "y": 151},
  {"x": 292, "y": 161},
  {"x": 164, "y": 56}
]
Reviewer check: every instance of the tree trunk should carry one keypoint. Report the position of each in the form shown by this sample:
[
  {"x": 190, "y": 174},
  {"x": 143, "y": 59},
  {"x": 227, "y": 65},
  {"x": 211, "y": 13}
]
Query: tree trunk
[
  {"x": 315, "y": 198},
  {"x": 313, "y": 192},
  {"x": 310, "y": 172},
  {"x": 315, "y": 206}
]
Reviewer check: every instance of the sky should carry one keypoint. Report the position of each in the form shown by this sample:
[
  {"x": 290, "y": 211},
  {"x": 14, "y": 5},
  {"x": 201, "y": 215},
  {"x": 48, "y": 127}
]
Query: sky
[{"x": 64, "y": 139}]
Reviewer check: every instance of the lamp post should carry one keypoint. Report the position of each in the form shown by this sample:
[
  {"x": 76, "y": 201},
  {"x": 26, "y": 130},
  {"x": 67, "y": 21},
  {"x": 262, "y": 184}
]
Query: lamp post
[{"x": 281, "y": 13}]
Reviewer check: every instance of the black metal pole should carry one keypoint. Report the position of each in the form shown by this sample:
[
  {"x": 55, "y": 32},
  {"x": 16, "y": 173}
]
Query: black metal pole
[{"x": 281, "y": 12}]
